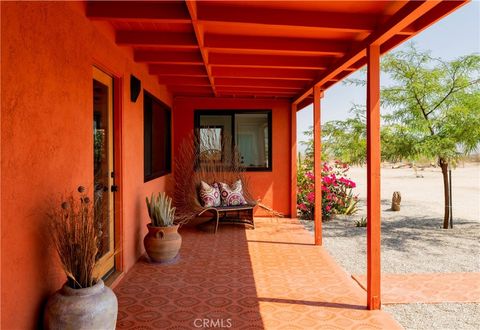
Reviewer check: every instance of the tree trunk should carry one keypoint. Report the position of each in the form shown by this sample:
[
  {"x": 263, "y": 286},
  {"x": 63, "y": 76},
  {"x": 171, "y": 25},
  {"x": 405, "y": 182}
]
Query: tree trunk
[{"x": 446, "y": 192}]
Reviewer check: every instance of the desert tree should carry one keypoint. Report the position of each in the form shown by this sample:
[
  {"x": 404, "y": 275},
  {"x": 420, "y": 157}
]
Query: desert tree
[{"x": 431, "y": 110}]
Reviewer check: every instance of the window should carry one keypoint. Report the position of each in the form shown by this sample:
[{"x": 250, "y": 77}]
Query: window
[
  {"x": 249, "y": 131},
  {"x": 157, "y": 138}
]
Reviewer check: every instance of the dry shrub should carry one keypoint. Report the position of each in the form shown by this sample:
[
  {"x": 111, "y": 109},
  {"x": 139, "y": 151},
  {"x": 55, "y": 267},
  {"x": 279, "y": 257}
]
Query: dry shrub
[
  {"x": 204, "y": 158},
  {"x": 72, "y": 226}
]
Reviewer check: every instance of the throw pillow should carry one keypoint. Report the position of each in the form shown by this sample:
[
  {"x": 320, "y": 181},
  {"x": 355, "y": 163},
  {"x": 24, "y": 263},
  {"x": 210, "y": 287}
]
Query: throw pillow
[
  {"x": 232, "y": 196},
  {"x": 210, "y": 194}
]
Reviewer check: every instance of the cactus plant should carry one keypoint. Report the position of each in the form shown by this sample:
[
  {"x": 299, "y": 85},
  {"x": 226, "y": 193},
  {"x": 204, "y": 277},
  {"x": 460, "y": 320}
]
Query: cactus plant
[{"x": 160, "y": 210}]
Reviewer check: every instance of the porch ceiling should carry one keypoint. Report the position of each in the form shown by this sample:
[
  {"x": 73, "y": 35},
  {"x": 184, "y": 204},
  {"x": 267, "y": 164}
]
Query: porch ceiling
[{"x": 262, "y": 49}]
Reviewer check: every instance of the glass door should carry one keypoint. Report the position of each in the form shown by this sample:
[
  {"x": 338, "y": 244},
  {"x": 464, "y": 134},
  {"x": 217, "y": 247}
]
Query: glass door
[{"x": 103, "y": 170}]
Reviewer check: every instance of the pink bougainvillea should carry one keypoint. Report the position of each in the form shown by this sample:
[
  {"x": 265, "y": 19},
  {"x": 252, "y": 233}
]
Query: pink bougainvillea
[{"x": 337, "y": 194}]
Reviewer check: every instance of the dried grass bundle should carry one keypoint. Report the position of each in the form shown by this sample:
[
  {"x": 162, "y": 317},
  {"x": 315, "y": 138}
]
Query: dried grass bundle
[
  {"x": 75, "y": 238},
  {"x": 207, "y": 157}
]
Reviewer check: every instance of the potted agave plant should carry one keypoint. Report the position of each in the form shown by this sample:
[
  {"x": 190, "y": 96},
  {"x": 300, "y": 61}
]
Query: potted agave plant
[
  {"x": 163, "y": 241},
  {"x": 84, "y": 302}
]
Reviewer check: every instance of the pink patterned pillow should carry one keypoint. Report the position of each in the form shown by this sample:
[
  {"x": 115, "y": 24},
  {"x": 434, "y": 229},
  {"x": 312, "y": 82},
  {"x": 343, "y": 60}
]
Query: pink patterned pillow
[
  {"x": 233, "y": 195},
  {"x": 210, "y": 194}
]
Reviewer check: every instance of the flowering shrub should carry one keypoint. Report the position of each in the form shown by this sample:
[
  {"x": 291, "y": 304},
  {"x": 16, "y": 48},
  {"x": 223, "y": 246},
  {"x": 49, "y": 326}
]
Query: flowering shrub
[{"x": 337, "y": 194}]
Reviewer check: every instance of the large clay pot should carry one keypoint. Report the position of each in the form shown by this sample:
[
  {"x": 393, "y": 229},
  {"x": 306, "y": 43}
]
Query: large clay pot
[
  {"x": 95, "y": 307},
  {"x": 162, "y": 243}
]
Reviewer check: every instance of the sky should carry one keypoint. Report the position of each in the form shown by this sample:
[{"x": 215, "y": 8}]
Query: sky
[{"x": 455, "y": 35}]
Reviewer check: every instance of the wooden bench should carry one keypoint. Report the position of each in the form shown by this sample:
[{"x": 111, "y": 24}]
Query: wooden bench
[{"x": 241, "y": 214}]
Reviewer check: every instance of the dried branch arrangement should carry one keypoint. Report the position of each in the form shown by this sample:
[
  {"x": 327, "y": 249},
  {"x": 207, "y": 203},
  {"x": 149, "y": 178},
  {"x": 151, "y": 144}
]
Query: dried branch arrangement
[
  {"x": 72, "y": 227},
  {"x": 209, "y": 158}
]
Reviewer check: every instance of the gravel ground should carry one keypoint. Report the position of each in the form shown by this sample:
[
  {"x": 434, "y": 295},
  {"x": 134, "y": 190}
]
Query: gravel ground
[{"x": 413, "y": 241}]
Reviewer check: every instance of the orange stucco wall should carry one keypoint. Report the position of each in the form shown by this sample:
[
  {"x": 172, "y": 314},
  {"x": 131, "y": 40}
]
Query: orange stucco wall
[
  {"x": 272, "y": 188},
  {"x": 48, "y": 50}
]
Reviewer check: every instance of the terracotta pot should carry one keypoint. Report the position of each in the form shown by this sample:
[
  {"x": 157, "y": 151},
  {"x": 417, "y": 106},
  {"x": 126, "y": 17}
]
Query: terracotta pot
[
  {"x": 162, "y": 243},
  {"x": 95, "y": 307}
]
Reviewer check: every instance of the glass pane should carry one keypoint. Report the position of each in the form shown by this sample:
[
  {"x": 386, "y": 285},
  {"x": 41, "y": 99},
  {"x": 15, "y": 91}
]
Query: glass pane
[
  {"x": 252, "y": 139},
  {"x": 157, "y": 137},
  {"x": 215, "y": 133},
  {"x": 101, "y": 165}
]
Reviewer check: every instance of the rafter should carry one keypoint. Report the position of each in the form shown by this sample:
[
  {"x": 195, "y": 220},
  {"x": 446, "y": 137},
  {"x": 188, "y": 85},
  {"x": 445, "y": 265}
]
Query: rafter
[
  {"x": 213, "y": 12},
  {"x": 177, "y": 70},
  {"x": 246, "y": 82},
  {"x": 184, "y": 80},
  {"x": 253, "y": 90},
  {"x": 269, "y": 61},
  {"x": 158, "y": 11},
  {"x": 254, "y": 44},
  {"x": 192, "y": 10},
  {"x": 157, "y": 39},
  {"x": 156, "y": 56},
  {"x": 402, "y": 19},
  {"x": 263, "y": 73}
]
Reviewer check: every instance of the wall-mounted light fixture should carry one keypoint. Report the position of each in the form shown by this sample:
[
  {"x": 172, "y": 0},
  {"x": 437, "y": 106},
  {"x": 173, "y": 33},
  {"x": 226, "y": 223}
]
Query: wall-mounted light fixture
[{"x": 135, "y": 88}]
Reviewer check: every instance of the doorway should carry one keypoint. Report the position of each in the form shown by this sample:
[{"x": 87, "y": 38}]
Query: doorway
[{"x": 103, "y": 167}]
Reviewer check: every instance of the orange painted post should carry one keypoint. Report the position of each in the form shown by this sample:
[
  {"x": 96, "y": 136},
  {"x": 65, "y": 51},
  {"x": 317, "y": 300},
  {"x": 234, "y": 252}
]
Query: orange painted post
[
  {"x": 317, "y": 164},
  {"x": 373, "y": 177},
  {"x": 293, "y": 165}
]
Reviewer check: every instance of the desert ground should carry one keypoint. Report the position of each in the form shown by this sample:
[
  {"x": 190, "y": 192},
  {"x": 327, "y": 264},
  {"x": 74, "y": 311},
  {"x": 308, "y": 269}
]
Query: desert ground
[{"x": 413, "y": 240}]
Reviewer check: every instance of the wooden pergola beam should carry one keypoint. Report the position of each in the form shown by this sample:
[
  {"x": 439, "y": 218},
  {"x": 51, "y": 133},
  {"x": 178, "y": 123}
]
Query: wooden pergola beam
[
  {"x": 192, "y": 10},
  {"x": 270, "y": 61},
  {"x": 177, "y": 70},
  {"x": 185, "y": 81},
  {"x": 253, "y": 82},
  {"x": 263, "y": 73},
  {"x": 157, "y": 39},
  {"x": 168, "y": 57},
  {"x": 346, "y": 22},
  {"x": 256, "y": 89},
  {"x": 401, "y": 20},
  {"x": 172, "y": 12},
  {"x": 277, "y": 45}
]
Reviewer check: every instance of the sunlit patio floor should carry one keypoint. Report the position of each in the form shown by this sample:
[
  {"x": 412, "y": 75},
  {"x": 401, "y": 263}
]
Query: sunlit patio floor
[{"x": 268, "y": 278}]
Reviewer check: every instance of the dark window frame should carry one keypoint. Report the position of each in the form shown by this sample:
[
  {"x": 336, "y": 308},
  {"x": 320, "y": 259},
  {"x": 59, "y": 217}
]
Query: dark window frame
[
  {"x": 148, "y": 134},
  {"x": 232, "y": 113}
]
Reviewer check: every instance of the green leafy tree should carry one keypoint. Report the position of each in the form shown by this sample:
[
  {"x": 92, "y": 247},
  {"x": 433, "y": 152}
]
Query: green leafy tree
[{"x": 433, "y": 112}]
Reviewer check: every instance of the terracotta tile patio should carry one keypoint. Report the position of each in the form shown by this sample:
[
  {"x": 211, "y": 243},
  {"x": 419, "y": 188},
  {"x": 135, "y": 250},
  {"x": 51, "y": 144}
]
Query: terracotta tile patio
[{"x": 268, "y": 278}]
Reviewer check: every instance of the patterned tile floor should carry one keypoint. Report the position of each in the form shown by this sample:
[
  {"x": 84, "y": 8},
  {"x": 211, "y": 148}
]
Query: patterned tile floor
[
  {"x": 428, "y": 287},
  {"x": 268, "y": 278}
]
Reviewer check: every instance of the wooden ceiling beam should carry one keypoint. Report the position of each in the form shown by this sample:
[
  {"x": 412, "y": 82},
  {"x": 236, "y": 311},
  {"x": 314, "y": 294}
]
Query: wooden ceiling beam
[
  {"x": 283, "y": 84},
  {"x": 185, "y": 81},
  {"x": 158, "y": 11},
  {"x": 262, "y": 73},
  {"x": 253, "y": 90},
  {"x": 410, "y": 12},
  {"x": 192, "y": 10},
  {"x": 276, "y": 45},
  {"x": 177, "y": 70},
  {"x": 269, "y": 61},
  {"x": 350, "y": 22},
  {"x": 164, "y": 57},
  {"x": 157, "y": 39}
]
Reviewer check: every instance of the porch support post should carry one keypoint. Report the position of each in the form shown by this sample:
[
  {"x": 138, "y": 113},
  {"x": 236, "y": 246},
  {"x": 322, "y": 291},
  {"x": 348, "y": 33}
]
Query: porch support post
[
  {"x": 293, "y": 160},
  {"x": 373, "y": 177},
  {"x": 317, "y": 164}
]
